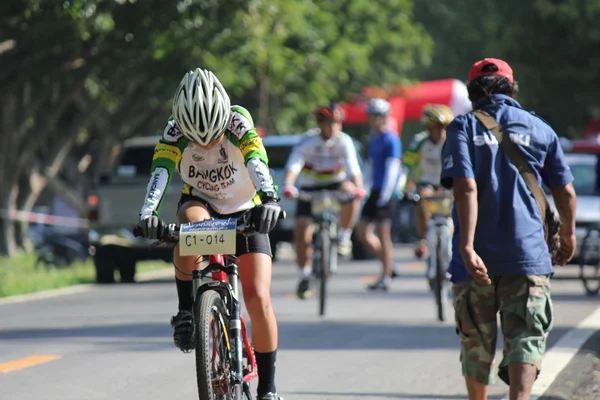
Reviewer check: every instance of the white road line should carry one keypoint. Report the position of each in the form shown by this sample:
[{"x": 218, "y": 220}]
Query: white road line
[
  {"x": 86, "y": 287},
  {"x": 563, "y": 351}
]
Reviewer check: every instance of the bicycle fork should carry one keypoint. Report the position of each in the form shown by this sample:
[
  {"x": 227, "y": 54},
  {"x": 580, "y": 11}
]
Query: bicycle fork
[
  {"x": 331, "y": 229},
  {"x": 438, "y": 237},
  {"x": 239, "y": 338}
]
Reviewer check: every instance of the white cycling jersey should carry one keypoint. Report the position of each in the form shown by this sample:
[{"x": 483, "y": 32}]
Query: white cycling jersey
[
  {"x": 323, "y": 162},
  {"x": 423, "y": 159}
]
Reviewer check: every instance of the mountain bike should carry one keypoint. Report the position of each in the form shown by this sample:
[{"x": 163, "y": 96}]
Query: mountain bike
[
  {"x": 439, "y": 241},
  {"x": 325, "y": 205},
  {"x": 225, "y": 368}
]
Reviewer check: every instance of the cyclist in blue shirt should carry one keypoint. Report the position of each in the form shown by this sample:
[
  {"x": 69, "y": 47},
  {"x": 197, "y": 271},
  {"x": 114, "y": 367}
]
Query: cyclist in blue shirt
[
  {"x": 501, "y": 262},
  {"x": 385, "y": 153}
]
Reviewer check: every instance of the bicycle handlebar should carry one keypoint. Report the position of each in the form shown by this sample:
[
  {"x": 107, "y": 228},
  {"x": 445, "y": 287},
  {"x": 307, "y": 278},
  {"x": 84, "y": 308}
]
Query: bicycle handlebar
[
  {"x": 246, "y": 224},
  {"x": 337, "y": 194},
  {"x": 411, "y": 197}
]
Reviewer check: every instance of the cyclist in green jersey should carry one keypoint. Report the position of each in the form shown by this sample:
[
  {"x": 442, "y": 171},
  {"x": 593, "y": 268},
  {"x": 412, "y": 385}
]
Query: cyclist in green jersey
[
  {"x": 221, "y": 159},
  {"x": 423, "y": 161}
]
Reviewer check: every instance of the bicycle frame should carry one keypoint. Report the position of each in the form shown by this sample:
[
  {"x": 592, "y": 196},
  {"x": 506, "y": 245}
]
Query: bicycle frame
[{"x": 224, "y": 280}]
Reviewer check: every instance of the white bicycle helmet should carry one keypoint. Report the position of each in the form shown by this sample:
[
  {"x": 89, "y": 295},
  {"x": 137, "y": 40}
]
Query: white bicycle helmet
[
  {"x": 378, "y": 106},
  {"x": 201, "y": 107}
]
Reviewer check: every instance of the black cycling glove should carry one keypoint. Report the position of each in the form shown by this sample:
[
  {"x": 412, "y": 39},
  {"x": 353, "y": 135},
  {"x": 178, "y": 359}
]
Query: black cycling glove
[
  {"x": 267, "y": 214},
  {"x": 152, "y": 227}
]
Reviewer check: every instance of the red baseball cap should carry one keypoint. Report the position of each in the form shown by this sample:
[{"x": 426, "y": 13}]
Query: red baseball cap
[{"x": 503, "y": 69}]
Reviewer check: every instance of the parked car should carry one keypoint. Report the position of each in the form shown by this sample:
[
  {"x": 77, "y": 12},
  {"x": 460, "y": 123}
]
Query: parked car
[
  {"x": 584, "y": 169},
  {"x": 278, "y": 149},
  {"x": 114, "y": 207}
]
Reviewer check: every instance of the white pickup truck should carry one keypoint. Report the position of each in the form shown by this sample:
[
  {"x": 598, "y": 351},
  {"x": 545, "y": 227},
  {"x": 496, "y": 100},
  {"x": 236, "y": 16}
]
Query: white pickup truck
[{"x": 115, "y": 205}]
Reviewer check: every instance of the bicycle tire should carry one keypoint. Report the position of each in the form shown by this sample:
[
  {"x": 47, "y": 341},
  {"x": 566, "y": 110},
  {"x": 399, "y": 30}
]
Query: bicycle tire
[
  {"x": 211, "y": 302},
  {"x": 589, "y": 261},
  {"x": 325, "y": 245},
  {"x": 439, "y": 282}
]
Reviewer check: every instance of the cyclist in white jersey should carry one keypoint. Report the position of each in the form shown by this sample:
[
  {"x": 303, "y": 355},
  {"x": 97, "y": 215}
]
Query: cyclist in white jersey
[
  {"x": 325, "y": 159},
  {"x": 218, "y": 154},
  {"x": 423, "y": 160}
]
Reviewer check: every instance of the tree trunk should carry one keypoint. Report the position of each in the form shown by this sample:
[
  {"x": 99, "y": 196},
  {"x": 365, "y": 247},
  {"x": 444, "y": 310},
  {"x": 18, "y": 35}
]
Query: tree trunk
[
  {"x": 8, "y": 172},
  {"x": 8, "y": 244},
  {"x": 263, "y": 108},
  {"x": 31, "y": 186}
]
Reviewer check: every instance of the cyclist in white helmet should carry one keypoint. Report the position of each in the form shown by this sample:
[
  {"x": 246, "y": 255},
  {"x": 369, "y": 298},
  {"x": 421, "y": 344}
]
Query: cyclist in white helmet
[{"x": 215, "y": 149}]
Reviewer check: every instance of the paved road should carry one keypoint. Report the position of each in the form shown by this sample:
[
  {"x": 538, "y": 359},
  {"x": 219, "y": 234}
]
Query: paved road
[{"x": 114, "y": 342}]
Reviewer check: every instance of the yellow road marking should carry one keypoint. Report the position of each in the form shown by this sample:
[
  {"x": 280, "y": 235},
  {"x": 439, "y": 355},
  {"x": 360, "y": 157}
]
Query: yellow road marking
[{"x": 26, "y": 362}]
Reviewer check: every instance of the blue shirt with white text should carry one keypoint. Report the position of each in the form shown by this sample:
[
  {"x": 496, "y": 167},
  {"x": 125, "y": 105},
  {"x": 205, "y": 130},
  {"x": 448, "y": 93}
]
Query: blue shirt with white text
[{"x": 509, "y": 236}]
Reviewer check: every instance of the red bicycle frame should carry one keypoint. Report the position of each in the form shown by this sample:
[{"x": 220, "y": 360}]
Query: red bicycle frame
[{"x": 222, "y": 277}]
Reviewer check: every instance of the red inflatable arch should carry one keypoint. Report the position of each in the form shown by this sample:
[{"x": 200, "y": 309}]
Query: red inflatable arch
[{"x": 407, "y": 102}]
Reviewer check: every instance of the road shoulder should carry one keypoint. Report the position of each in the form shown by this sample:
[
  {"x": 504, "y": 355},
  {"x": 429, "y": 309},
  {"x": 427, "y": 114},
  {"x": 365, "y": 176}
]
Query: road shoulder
[{"x": 580, "y": 379}]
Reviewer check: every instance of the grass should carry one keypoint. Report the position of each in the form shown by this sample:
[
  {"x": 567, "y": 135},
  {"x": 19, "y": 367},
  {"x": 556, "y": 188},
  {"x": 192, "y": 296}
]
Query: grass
[{"x": 18, "y": 275}]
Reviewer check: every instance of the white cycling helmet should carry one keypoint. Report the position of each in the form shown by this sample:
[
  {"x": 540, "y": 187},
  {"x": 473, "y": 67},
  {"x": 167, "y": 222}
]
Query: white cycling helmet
[
  {"x": 378, "y": 106},
  {"x": 201, "y": 107}
]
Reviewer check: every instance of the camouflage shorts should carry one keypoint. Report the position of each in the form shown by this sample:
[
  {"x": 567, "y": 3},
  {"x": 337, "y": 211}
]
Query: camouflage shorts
[{"x": 526, "y": 315}]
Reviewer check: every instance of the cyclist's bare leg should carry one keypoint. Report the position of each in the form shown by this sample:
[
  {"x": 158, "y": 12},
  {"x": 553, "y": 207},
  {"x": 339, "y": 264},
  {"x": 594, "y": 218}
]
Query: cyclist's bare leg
[
  {"x": 303, "y": 231},
  {"x": 255, "y": 276},
  {"x": 182, "y": 323},
  {"x": 349, "y": 211},
  {"x": 192, "y": 211},
  {"x": 348, "y": 214},
  {"x": 384, "y": 231},
  {"x": 422, "y": 219},
  {"x": 367, "y": 237}
]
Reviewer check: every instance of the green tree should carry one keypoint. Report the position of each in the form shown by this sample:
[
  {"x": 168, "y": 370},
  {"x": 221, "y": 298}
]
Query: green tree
[
  {"x": 552, "y": 47},
  {"x": 294, "y": 54},
  {"x": 80, "y": 75}
]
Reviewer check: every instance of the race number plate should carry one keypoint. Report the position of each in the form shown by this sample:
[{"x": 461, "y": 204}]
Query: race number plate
[
  {"x": 216, "y": 236},
  {"x": 325, "y": 203}
]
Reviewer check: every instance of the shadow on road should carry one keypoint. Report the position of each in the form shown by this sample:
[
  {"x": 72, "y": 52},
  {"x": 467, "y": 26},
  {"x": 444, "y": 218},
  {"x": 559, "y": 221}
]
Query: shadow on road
[
  {"x": 348, "y": 335},
  {"x": 336, "y": 335},
  {"x": 405, "y": 396},
  {"x": 138, "y": 330}
]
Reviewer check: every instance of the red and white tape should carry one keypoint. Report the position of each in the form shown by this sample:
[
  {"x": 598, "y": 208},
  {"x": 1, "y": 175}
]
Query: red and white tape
[{"x": 41, "y": 218}]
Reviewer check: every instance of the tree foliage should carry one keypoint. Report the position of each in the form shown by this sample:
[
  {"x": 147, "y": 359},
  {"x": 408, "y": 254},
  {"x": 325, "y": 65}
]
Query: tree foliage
[
  {"x": 79, "y": 75},
  {"x": 551, "y": 45}
]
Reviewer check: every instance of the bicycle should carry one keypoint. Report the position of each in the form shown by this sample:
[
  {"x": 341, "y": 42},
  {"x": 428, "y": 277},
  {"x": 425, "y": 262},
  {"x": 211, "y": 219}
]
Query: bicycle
[
  {"x": 589, "y": 262},
  {"x": 439, "y": 238},
  {"x": 217, "y": 306},
  {"x": 325, "y": 205}
]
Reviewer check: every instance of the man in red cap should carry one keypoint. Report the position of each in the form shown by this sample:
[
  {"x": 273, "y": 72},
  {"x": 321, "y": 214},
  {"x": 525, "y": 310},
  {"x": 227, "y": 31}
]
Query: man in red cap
[{"x": 502, "y": 245}]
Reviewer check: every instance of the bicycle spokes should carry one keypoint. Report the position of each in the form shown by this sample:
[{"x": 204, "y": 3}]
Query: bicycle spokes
[{"x": 220, "y": 362}]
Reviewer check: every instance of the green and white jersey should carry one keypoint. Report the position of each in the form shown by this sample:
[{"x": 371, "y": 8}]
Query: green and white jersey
[
  {"x": 228, "y": 176},
  {"x": 423, "y": 159}
]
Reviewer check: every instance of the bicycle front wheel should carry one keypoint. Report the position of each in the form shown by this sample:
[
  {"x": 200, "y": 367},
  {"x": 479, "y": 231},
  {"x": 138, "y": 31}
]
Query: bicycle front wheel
[
  {"x": 589, "y": 263},
  {"x": 325, "y": 242},
  {"x": 440, "y": 282},
  {"x": 213, "y": 350}
]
